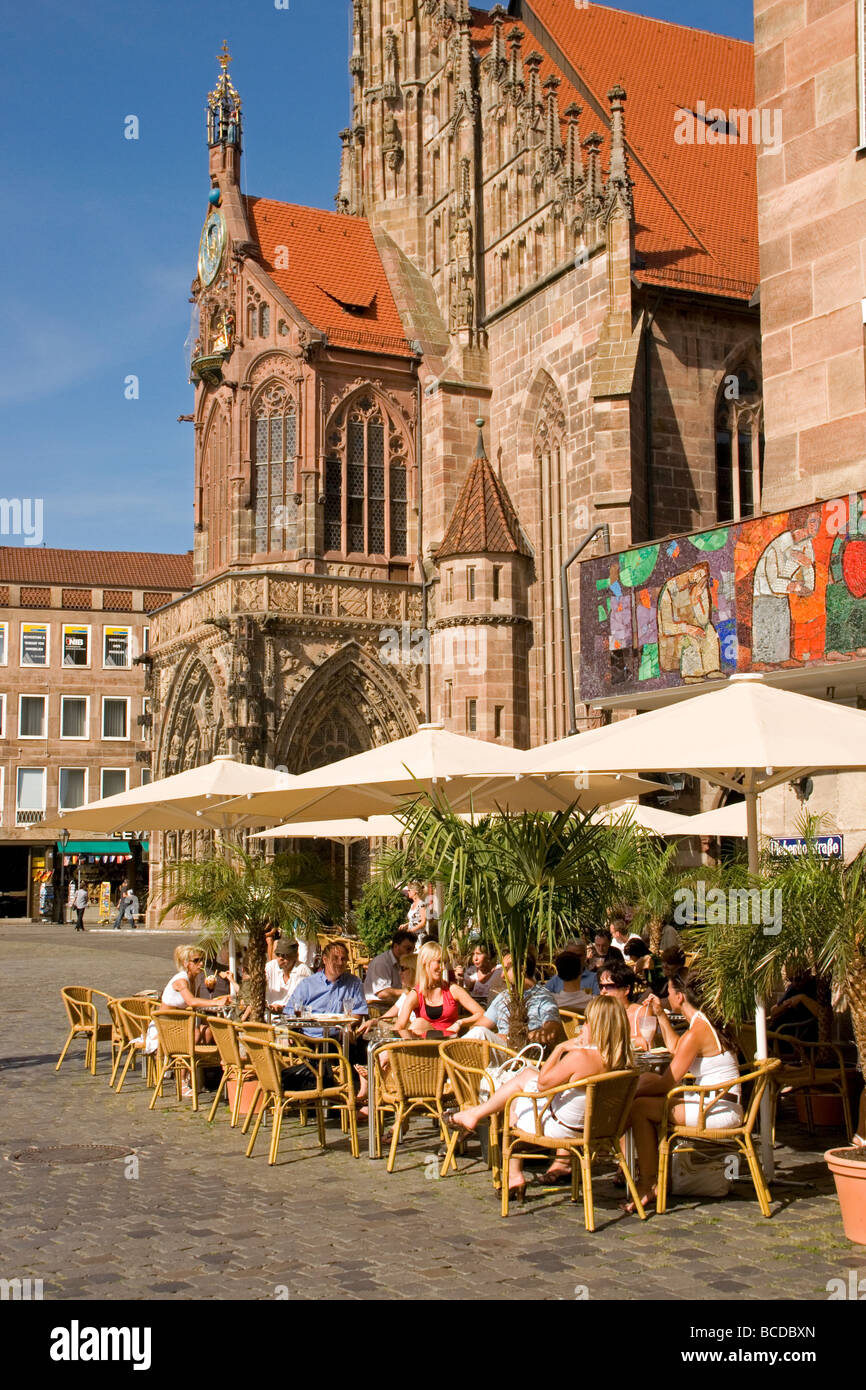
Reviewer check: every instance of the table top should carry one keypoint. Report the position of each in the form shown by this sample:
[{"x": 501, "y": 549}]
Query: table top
[{"x": 657, "y": 1059}]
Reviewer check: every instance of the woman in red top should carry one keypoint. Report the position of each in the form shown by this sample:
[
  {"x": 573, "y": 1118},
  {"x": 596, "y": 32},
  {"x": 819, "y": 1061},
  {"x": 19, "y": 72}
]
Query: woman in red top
[{"x": 435, "y": 1003}]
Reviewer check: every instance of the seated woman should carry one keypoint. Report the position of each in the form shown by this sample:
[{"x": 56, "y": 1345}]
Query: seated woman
[
  {"x": 605, "y": 1048},
  {"x": 180, "y": 993},
  {"x": 618, "y": 979},
  {"x": 436, "y": 1004},
  {"x": 704, "y": 1050}
]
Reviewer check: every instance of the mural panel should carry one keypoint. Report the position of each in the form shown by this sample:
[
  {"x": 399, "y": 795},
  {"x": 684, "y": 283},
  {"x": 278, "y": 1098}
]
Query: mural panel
[{"x": 774, "y": 592}]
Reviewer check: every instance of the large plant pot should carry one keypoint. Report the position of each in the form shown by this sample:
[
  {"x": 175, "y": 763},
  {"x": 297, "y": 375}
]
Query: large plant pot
[
  {"x": 827, "y": 1112},
  {"x": 248, "y": 1090},
  {"x": 848, "y": 1167}
]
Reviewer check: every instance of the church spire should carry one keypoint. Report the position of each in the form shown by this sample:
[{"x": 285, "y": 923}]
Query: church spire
[{"x": 224, "y": 122}]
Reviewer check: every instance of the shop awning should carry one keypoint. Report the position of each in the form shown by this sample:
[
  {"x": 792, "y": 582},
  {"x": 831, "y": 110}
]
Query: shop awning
[{"x": 100, "y": 847}]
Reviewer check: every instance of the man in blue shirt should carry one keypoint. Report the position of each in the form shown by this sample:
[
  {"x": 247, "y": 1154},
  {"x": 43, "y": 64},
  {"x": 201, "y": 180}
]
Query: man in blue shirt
[
  {"x": 588, "y": 978},
  {"x": 332, "y": 990},
  {"x": 542, "y": 1013}
]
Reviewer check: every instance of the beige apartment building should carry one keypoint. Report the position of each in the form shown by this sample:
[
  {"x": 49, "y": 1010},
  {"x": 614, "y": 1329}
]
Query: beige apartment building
[{"x": 74, "y": 707}]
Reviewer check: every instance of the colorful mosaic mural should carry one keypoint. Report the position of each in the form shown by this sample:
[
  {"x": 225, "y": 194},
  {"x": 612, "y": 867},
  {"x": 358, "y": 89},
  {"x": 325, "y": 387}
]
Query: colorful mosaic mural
[{"x": 773, "y": 592}]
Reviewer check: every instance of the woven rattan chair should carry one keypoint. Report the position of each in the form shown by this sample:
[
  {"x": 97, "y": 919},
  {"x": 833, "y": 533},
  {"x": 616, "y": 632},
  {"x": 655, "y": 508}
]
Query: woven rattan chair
[
  {"x": 331, "y": 1078},
  {"x": 84, "y": 1022},
  {"x": 134, "y": 1016},
  {"x": 609, "y": 1100},
  {"x": 571, "y": 1021},
  {"x": 175, "y": 1029},
  {"x": 466, "y": 1062},
  {"x": 814, "y": 1068},
  {"x": 738, "y": 1136},
  {"x": 235, "y": 1068},
  {"x": 415, "y": 1081}
]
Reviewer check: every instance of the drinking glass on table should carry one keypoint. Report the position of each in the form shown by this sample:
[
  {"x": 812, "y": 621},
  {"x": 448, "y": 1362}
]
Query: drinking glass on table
[{"x": 647, "y": 1026}]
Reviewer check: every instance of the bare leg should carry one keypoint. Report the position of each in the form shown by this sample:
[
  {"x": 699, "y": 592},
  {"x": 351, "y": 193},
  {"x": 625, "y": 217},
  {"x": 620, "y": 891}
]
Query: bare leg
[
  {"x": 468, "y": 1118},
  {"x": 646, "y": 1116}
]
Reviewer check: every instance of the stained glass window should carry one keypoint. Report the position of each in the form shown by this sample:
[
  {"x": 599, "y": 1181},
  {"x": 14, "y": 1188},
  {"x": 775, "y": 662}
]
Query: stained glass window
[
  {"x": 274, "y": 444},
  {"x": 366, "y": 484}
]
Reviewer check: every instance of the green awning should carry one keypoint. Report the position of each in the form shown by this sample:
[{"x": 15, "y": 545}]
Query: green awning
[{"x": 101, "y": 847}]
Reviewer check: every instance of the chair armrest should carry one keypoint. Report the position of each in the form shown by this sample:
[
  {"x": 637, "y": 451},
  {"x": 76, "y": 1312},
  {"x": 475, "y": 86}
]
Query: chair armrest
[{"x": 716, "y": 1090}]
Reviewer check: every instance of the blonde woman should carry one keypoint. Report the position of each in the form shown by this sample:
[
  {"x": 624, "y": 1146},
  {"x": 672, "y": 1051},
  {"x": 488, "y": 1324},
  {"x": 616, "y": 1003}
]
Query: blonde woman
[
  {"x": 435, "y": 1003},
  {"x": 606, "y": 1048},
  {"x": 180, "y": 993}
]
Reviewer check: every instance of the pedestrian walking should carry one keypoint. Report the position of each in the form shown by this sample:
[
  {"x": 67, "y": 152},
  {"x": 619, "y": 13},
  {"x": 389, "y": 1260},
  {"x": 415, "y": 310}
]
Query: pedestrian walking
[{"x": 79, "y": 902}]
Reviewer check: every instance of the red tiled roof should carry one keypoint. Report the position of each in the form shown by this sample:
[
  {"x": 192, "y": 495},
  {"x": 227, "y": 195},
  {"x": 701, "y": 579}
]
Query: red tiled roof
[
  {"x": 695, "y": 205},
  {"x": 22, "y": 564},
  {"x": 483, "y": 521},
  {"x": 334, "y": 274}
]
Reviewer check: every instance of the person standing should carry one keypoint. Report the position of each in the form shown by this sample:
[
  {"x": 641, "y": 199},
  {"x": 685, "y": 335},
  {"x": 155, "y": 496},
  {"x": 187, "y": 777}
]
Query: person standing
[
  {"x": 79, "y": 902},
  {"x": 124, "y": 903}
]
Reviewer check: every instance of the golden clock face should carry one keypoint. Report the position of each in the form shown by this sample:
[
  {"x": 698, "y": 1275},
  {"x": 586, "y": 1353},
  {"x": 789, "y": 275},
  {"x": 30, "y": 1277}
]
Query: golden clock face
[{"x": 211, "y": 247}]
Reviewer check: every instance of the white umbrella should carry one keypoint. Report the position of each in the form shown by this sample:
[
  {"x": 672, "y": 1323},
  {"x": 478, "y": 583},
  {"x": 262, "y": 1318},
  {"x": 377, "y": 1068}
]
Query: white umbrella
[
  {"x": 202, "y": 798},
  {"x": 730, "y": 820},
  {"x": 470, "y": 772},
  {"x": 651, "y": 819},
  {"x": 347, "y": 829},
  {"x": 746, "y": 735}
]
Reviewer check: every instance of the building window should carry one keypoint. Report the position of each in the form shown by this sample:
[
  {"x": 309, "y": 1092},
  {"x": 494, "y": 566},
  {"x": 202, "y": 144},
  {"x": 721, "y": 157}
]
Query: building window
[
  {"x": 32, "y": 716},
  {"x": 215, "y": 488},
  {"x": 274, "y": 448},
  {"x": 73, "y": 788},
  {"x": 449, "y": 699},
  {"x": 29, "y": 795},
  {"x": 472, "y": 716},
  {"x": 497, "y": 721},
  {"x": 497, "y": 582},
  {"x": 470, "y": 582},
  {"x": 34, "y": 644},
  {"x": 145, "y": 639},
  {"x": 4, "y": 638},
  {"x": 115, "y": 717},
  {"x": 2, "y": 716},
  {"x": 74, "y": 716},
  {"x": 76, "y": 645},
  {"x": 449, "y": 586},
  {"x": 365, "y": 484},
  {"x": 861, "y": 74},
  {"x": 116, "y": 647},
  {"x": 146, "y": 776},
  {"x": 264, "y": 321},
  {"x": 739, "y": 447},
  {"x": 114, "y": 780}
]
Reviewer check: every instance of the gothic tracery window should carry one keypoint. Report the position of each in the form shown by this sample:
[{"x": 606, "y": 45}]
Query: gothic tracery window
[
  {"x": 365, "y": 483},
  {"x": 274, "y": 447},
  {"x": 739, "y": 446},
  {"x": 551, "y": 472},
  {"x": 216, "y": 506}
]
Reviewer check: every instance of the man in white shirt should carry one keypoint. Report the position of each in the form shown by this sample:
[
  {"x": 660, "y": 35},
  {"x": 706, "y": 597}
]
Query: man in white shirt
[
  {"x": 383, "y": 981},
  {"x": 622, "y": 935},
  {"x": 283, "y": 974}
]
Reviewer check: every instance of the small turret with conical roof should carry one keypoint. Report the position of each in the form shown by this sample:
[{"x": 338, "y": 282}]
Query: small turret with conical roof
[{"x": 482, "y": 630}]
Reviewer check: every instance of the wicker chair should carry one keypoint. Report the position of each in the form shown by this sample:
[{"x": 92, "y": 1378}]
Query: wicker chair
[
  {"x": 609, "y": 1100},
  {"x": 332, "y": 1084},
  {"x": 571, "y": 1021},
  {"x": 235, "y": 1068},
  {"x": 414, "y": 1081},
  {"x": 134, "y": 1016},
  {"x": 84, "y": 1023},
  {"x": 738, "y": 1136},
  {"x": 466, "y": 1062},
  {"x": 178, "y": 1049},
  {"x": 811, "y": 1067}
]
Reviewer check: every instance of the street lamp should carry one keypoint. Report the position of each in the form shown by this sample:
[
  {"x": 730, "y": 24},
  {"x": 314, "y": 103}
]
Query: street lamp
[{"x": 64, "y": 841}]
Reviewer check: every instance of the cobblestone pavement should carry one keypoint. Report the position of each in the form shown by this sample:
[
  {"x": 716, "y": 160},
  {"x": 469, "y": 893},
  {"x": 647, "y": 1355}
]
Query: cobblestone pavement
[{"x": 201, "y": 1221}]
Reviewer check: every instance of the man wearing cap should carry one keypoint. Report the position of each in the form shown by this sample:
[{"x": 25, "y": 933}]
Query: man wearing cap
[{"x": 283, "y": 974}]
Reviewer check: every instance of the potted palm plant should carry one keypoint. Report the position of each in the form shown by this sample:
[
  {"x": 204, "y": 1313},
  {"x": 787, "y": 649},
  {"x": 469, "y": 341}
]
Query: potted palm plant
[{"x": 522, "y": 880}]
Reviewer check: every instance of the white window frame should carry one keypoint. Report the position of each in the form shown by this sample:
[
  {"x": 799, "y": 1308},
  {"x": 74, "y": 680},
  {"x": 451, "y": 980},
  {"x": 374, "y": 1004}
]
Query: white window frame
[
  {"x": 2, "y": 790},
  {"x": 115, "y": 738},
  {"x": 76, "y": 738},
  {"x": 82, "y": 627},
  {"x": 29, "y": 666},
  {"x": 146, "y": 772},
  {"x": 861, "y": 74},
  {"x": 110, "y": 665},
  {"x": 34, "y": 695},
  {"x": 4, "y": 653},
  {"x": 2, "y": 715},
  {"x": 145, "y": 639},
  {"x": 102, "y": 772},
  {"x": 17, "y": 807},
  {"x": 60, "y": 772}
]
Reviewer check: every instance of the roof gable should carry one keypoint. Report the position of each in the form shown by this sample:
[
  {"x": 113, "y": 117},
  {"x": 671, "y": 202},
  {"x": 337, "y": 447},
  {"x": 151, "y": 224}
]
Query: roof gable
[{"x": 483, "y": 521}]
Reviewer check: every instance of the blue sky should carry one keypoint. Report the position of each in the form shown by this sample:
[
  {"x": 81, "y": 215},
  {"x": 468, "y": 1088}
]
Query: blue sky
[{"x": 101, "y": 232}]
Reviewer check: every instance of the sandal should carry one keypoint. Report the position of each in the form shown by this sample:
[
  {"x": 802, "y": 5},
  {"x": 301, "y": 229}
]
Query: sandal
[{"x": 556, "y": 1177}]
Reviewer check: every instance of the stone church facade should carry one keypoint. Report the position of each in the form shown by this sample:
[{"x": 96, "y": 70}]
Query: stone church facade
[{"x": 520, "y": 239}]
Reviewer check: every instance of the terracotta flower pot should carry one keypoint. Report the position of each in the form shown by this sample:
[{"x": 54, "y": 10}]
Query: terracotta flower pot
[
  {"x": 827, "y": 1112},
  {"x": 848, "y": 1167},
  {"x": 248, "y": 1090}
]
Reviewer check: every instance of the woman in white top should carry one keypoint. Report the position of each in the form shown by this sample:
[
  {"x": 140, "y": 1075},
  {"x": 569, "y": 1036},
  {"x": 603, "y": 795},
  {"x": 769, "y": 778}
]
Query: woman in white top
[
  {"x": 708, "y": 1054},
  {"x": 606, "y": 1048},
  {"x": 180, "y": 993}
]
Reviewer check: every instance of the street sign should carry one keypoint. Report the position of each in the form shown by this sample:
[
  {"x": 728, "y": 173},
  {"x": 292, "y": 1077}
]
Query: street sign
[{"x": 823, "y": 846}]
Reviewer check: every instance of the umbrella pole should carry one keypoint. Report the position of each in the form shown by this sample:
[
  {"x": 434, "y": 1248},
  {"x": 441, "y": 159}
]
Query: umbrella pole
[{"x": 767, "y": 1160}]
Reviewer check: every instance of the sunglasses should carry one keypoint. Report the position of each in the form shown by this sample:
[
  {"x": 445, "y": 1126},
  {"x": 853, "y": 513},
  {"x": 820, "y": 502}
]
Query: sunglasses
[
  {"x": 195, "y": 960},
  {"x": 609, "y": 986}
]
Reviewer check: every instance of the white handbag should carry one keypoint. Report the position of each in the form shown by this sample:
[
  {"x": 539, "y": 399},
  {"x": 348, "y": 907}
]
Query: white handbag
[
  {"x": 495, "y": 1077},
  {"x": 699, "y": 1174}
]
